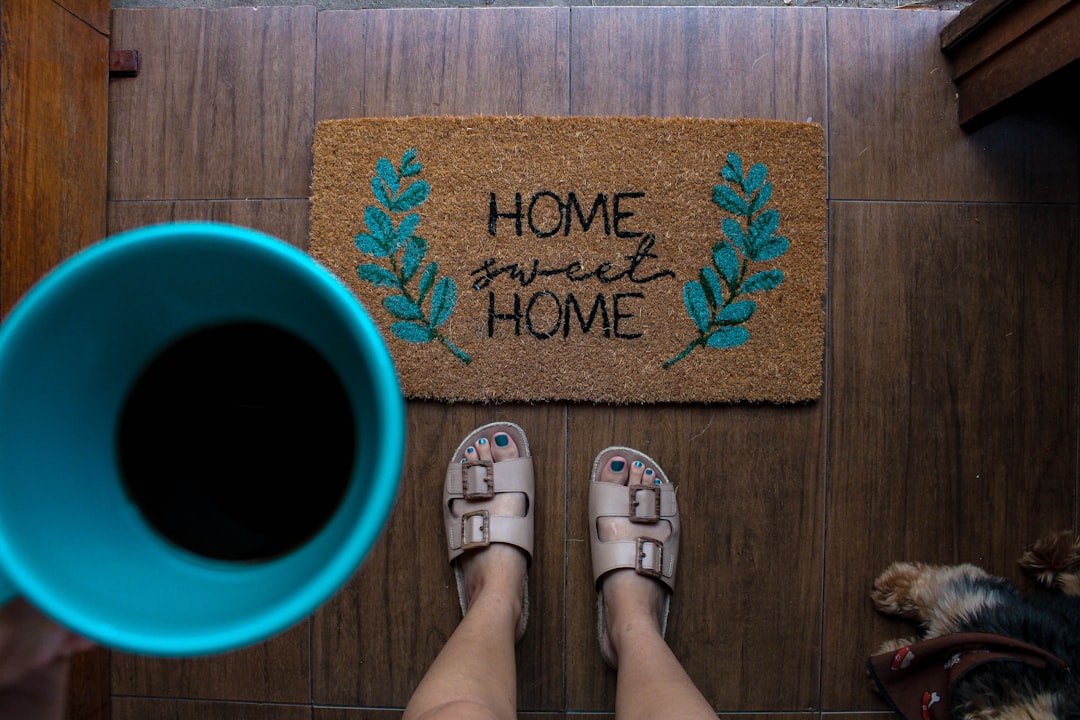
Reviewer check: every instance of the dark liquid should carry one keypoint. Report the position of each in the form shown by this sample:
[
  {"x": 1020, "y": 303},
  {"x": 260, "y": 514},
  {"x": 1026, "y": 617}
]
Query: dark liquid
[{"x": 237, "y": 442}]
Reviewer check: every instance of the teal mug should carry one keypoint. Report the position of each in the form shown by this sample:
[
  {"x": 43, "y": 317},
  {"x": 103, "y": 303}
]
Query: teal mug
[{"x": 201, "y": 438}]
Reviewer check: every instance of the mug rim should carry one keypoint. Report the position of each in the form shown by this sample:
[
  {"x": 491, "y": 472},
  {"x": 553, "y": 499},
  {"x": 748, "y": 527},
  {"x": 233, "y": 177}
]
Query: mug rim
[{"x": 379, "y": 497}]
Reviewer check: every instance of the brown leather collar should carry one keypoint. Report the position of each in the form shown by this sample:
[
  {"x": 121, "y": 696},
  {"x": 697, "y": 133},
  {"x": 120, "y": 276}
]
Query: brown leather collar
[{"x": 916, "y": 679}]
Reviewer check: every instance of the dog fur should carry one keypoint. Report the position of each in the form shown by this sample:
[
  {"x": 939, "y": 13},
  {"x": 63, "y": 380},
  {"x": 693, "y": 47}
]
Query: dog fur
[{"x": 944, "y": 599}]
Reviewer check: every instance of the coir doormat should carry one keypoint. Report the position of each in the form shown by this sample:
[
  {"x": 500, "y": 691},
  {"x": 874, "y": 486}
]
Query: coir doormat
[{"x": 604, "y": 259}]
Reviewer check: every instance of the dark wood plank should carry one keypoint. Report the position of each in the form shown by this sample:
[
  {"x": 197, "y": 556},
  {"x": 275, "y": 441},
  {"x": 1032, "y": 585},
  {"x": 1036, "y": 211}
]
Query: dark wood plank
[
  {"x": 894, "y": 132},
  {"x": 952, "y": 409},
  {"x": 971, "y": 17},
  {"x": 289, "y": 220},
  {"x": 89, "y": 686},
  {"x": 701, "y": 62},
  {"x": 752, "y": 477},
  {"x": 166, "y": 709},
  {"x": 373, "y": 642},
  {"x": 493, "y": 61},
  {"x": 341, "y": 713},
  {"x": 93, "y": 12},
  {"x": 1011, "y": 23},
  {"x": 997, "y": 83},
  {"x": 751, "y": 488},
  {"x": 274, "y": 671},
  {"x": 381, "y": 714},
  {"x": 725, "y": 716},
  {"x": 223, "y": 105},
  {"x": 53, "y": 121}
]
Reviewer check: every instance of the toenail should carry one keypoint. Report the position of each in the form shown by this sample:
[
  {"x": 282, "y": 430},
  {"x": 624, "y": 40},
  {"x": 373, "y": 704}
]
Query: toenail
[
  {"x": 502, "y": 440},
  {"x": 482, "y": 441},
  {"x": 617, "y": 465},
  {"x": 638, "y": 463},
  {"x": 469, "y": 450}
]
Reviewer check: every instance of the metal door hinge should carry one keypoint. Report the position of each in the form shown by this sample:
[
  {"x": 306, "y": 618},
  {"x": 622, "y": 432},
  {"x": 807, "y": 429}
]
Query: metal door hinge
[{"x": 123, "y": 63}]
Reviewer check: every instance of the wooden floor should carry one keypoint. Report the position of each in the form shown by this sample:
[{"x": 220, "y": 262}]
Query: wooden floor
[{"x": 947, "y": 429}]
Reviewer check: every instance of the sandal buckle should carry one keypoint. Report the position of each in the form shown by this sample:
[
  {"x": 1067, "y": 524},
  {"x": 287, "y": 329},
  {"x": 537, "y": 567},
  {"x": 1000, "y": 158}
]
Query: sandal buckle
[
  {"x": 650, "y": 557},
  {"x": 478, "y": 480},
  {"x": 475, "y": 530},
  {"x": 639, "y": 514}
]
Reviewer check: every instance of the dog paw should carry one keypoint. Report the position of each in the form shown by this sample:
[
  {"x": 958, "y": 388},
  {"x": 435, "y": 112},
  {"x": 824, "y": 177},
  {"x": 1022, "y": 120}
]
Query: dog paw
[
  {"x": 896, "y": 591},
  {"x": 891, "y": 646},
  {"x": 1054, "y": 562}
]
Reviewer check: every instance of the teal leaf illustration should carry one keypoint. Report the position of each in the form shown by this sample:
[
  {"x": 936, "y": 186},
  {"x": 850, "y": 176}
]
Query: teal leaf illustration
[
  {"x": 380, "y": 226},
  {"x": 726, "y": 261},
  {"x": 771, "y": 249},
  {"x": 415, "y": 250},
  {"x": 388, "y": 175},
  {"x": 696, "y": 304},
  {"x": 716, "y": 302},
  {"x": 763, "y": 281},
  {"x": 405, "y": 230},
  {"x": 391, "y": 225},
  {"x": 763, "y": 227},
  {"x": 762, "y": 198},
  {"x": 710, "y": 283},
  {"x": 734, "y": 232},
  {"x": 413, "y": 332},
  {"x": 377, "y": 275},
  {"x": 427, "y": 280},
  {"x": 403, "y": 308},
  {"x": 732, "y": 172},
  {"x": 409, "y": 165},
  {"x": 754, "y": 178},
  {"x": 412, "y": 197},
  {"x": 729, "y": 200},
  {"x": 380, "y": 191},
  {"x": 443, "y": 300},
  {"x": 371, "y": 245},
  {"x": 729, "y": 336},
  {"x": 737, "y": 312}
]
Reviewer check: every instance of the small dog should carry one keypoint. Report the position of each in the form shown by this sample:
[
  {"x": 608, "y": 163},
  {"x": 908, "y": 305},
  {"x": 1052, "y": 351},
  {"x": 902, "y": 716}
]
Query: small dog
[{"x": 1039, "y": 677}]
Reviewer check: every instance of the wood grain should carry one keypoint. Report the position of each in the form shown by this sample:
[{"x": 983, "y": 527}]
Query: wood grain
[
  {"x": 166, "y": 709},
  {"x": 947, "y": 428},
  {"x": 53, "y": 115},
  {"x": 699, "y": 62},
  {"x": 222, "y": 107},
  {"x": 274, "y": 671},
  {"x": 952, "y": 431},
  {"x": 496, "y": 61},
  {"x": 751, "y": 491},
  {"x": 894, "y": 132},
  {"x": 288, "y": 220},
  {"x": 374, "y": 641}
]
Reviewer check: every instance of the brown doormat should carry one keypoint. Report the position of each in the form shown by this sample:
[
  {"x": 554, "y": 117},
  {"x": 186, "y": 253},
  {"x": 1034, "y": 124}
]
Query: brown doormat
[{"x": 604, "y": 259}]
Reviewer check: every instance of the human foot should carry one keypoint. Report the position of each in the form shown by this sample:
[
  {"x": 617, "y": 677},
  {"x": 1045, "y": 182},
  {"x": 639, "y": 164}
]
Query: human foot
[
  {"x": 634, "y": 546},
  {"x": 488, "y": 514}
]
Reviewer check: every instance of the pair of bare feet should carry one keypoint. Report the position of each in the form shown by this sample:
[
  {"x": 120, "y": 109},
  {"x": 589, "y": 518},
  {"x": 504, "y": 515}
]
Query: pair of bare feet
[{"x": 494, "y": 576}]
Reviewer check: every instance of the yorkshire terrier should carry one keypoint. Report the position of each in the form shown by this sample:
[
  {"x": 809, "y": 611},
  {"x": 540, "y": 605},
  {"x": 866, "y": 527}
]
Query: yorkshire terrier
[{"x": 986, "y": 651}]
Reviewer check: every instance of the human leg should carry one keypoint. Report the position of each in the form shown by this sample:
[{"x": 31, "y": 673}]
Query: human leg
[
  {"x": 474, "y": 675},
  {"x": 652, "y": 683}
]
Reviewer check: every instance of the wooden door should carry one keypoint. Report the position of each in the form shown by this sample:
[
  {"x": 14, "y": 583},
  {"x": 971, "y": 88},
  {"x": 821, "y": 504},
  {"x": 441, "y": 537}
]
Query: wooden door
[{"x": 54, "y": 75}]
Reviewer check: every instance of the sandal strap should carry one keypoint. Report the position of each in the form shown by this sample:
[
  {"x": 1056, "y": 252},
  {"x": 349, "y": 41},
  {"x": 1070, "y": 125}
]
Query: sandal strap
[
  {"x": 642, "y": 505},
  {"x": 637, "y": 503},
  {"x": 481, "y": 481}
]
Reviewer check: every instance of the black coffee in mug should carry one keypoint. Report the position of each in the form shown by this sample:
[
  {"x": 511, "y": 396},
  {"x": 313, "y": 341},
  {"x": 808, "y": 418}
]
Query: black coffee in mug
[{"x": 237, "y": 442}]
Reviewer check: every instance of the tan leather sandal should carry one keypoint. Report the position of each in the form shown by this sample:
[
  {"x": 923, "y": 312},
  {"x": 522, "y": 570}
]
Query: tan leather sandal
[
  {"x": 475, "y": 484},
  {"x": 650, "y": 510}
]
